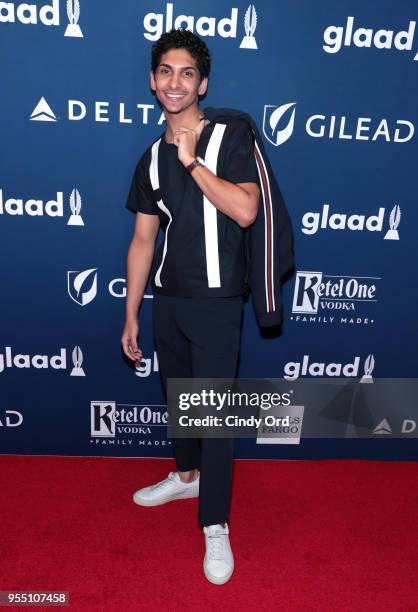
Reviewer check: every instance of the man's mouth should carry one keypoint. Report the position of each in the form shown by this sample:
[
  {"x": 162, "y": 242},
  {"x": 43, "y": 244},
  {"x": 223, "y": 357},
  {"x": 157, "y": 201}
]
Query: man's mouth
[{"x": 175, "y": 96}]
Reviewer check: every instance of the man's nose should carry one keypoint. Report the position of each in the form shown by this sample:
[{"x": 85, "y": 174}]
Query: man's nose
[{"x": 174, "y": 81}]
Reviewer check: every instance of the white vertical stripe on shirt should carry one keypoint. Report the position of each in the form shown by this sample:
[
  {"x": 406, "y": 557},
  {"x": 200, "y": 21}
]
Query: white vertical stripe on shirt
[
  {"x": 153, "y": 169},
  {"x": 155, "y": 183},
  {"x": 210, "y": 211},
  {"x": 167, "y": 212}
]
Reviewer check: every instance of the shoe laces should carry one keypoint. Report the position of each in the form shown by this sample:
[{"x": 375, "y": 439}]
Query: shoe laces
[
  {"x": 163, "y": 483},
  {"x": 215, "y": 545}
]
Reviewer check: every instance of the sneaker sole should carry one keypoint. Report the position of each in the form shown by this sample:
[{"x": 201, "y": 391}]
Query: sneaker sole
[
  {"x": 216, "y": 579},
  {"x": 152, "y": 502}
]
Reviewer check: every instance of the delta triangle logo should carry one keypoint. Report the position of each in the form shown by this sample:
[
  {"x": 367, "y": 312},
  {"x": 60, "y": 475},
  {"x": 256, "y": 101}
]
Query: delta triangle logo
[
  {"x": 43, "y": 112},
  {"x": 383, "y": 428}
]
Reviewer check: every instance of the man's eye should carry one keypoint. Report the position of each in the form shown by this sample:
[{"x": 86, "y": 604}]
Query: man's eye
[{"x": 188, "y": 73}]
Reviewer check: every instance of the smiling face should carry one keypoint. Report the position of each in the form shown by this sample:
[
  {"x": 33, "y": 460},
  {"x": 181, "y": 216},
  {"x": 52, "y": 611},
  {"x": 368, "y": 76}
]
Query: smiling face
[{"x": 176, "y": 81}]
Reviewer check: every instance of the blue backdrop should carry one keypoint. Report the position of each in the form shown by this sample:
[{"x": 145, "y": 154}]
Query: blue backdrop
[{"x": 333, "y": 89}]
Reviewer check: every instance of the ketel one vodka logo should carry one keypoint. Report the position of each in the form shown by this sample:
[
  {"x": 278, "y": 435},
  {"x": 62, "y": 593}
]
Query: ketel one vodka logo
[
  {"x": 35, "y": 207},
  {"x": 82, "y": 286},
  {"x": 109, "y": 418},
  {"x": 313, "y": 222},
  {"x": 318, "y": 292},
  {"x": 47, "y": 14}
]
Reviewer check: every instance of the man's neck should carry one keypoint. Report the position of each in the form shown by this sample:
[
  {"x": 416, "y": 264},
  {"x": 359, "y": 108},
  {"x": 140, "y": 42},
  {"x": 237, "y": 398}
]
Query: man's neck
[{"x": 189, "y": 119}]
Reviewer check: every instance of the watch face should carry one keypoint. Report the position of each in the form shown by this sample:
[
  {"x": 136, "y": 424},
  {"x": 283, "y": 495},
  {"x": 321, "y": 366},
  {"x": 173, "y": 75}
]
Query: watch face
[{"x": 200, "y": 160}]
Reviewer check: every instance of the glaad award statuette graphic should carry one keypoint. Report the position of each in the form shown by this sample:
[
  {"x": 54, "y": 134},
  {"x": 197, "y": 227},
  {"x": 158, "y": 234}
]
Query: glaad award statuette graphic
[
  {"x": 394, "y": 219},
  {"x": 77, "y": 356},
  {"x": 73, "y": 12},
  {"x": 250, "y": 24},
  {"x": 75, "y": 206},
  {"x": 368, "y": 369}
]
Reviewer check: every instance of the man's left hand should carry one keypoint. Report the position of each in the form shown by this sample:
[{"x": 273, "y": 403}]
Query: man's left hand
[{"x": 186, "y": 140}]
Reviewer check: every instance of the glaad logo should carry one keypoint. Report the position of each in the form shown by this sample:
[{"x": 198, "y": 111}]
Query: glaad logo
[
  {"x": 312, "y": 222},
  {"x": 82, "y": 286},
  {"x": 368, "y": 369},
  {"x": 73, "y": 14},
  {"x": 77, "y": 357},
  {"x": 75, "y": 206},
  {"x": 56, "y": 362},
  {"x": 12, "y": 418},
  {"x": 156, "y": 23},
  {"x": 394, "y": 220},
  {"x": 250, "y": 24},
  {"x": 106, "y": 420},
  {"x": 48, "y": 15},
  {"x": 39, "y": 208},
  {"x": 271, "y": 117},
  {"x": 295, "y": 369},
  {"x": 321, "y": 126},
  {"x": 147, "y": 366},
  {"x": 317, "y": 292},
  {"x": 335, "y": 36}
]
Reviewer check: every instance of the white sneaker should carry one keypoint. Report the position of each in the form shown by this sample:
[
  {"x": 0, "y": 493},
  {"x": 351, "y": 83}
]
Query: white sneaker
[
  {"x": 166, "y": 490},
  {"x": 218, "y": 563}
]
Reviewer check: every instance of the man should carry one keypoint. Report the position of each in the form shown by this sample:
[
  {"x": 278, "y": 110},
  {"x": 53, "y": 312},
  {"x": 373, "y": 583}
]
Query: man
[{"x": 199, "y": 182}]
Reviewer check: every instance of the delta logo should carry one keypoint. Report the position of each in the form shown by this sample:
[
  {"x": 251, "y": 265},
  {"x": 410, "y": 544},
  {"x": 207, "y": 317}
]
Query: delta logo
[
  {"x": 36, "y": 207},
  {"x": 45, "y": 14},
  {"x": 333, "y": 298}
]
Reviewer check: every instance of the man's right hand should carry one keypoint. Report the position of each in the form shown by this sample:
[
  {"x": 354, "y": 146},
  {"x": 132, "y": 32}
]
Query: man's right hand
[{"x": 129, "y": 342}]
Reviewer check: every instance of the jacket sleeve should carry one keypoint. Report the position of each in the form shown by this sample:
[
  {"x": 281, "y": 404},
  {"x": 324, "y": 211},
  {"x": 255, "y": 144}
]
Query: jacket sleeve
[{"x": 271, "y": 245}]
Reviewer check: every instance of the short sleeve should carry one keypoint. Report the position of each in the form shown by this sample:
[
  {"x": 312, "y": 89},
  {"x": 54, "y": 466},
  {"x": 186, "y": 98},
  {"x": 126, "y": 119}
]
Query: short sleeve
[
  {"x": 239, "y": 164},
  {"x": 140, "y": 197}
]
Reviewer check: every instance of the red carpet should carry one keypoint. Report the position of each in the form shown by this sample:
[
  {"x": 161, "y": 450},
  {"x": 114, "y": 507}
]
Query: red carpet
[{"x": 307, "y": 536}]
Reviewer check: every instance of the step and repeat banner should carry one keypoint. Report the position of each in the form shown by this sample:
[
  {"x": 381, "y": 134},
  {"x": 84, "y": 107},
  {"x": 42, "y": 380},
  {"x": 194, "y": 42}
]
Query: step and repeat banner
[{"x": 333, "y": 88}]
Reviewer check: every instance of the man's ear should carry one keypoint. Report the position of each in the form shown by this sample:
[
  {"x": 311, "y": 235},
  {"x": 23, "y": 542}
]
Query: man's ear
[
  {"x": 152, "y": 81},
  {"x": 203, "y": 86}
]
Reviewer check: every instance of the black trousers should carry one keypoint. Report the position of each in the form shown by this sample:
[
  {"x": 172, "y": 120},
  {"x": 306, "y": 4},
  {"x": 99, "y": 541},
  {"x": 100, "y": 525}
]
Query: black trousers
[{"x": 200, "y": 338}]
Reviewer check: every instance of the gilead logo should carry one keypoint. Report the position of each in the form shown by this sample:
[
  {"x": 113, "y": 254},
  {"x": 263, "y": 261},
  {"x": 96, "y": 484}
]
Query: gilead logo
[
  {"x": 337, "y": 36},
  {"x": 204, "y": 26},
  {"x": 279, "y": 122}
]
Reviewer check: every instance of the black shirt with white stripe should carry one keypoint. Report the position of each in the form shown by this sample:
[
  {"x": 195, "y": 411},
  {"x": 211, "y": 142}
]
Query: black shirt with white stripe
[{"x": 203, "y": 251}]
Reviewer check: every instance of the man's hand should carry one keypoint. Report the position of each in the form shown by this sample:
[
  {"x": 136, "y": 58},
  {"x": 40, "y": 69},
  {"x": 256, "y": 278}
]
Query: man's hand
[
  {"x": 186, "y": 141},
  {"x": 129, "y": 342}
]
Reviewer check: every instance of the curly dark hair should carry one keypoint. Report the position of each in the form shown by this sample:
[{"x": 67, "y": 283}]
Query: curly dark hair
[{"x": 182, "y": 39}]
